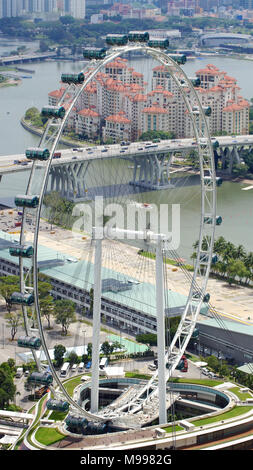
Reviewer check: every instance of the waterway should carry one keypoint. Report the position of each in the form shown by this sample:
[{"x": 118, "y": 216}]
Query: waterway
[{"x": 234, "y": 205}]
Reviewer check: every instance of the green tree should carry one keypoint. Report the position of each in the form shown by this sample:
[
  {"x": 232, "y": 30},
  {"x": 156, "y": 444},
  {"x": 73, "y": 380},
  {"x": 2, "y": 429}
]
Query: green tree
[
  {"x": 89, "y": 350},
  {"x": 59, "y": 351},
  {"x": 72, "y": 358},
  {"x": 7, "y": 387},
  {"x": 8, "y": 285},
  {"x": 14, "y": 320},
  {"x": 64, "y": 312},
  {"x": 107, "y": 348}
]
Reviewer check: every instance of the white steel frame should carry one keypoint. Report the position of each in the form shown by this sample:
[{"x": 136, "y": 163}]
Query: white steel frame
[{"x": 177, "y": 348}]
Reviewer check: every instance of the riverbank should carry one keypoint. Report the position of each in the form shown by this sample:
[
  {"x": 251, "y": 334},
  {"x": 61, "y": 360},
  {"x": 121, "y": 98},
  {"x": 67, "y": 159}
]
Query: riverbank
[
  {"x": 10, "y": 82},
  {"x": 39, "y": 132}
]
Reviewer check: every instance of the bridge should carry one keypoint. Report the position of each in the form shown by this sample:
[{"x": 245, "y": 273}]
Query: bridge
[
  {"x": 151, "y": 163},
  {"x": 24, "y": 58}
]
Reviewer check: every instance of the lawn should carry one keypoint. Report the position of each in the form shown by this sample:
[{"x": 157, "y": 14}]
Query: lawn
[
  {"x": 236, "y": 411},
  {"x": 48, "y": 436}
]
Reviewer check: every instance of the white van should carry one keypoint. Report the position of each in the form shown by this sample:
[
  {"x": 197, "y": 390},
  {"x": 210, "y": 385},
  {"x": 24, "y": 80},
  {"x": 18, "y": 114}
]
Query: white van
[
  {"x": 81, "y": 367},
  {"x": 73, "y": 368}
]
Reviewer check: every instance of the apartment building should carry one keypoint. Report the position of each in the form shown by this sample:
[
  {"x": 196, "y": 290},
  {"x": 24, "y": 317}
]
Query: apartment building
[
  {"x": 120, "y": 93},
  {"x": 117, "y": 128}
]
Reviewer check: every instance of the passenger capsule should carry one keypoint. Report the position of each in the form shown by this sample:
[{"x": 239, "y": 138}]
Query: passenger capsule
[
  {"x": 40, "y": 378},
  {"x": 57, "y": 405},
  {"x": 138, "y": 36},
  {"x": 37, "y": 154},
  {"x": 204, "y": 258},
  {"x": 216, "y": 144},
  {"x": 72, "y": 78},
  {"x": 22, "y": 251},
  {"x": 207, "y": 110},
  {"x": 195, "y": 81},
  {"x": 27, "y": 201},
  {"x": 22, "y": 299},
  {"x": 178, "y": 58},
  {"x": 76, "y": 423},
  {"x": 117, "y": 39},
  {"x": 209, "y": 220},
  {"x": 94, "y": 53},
  {"x": 208, "y": 180},
  {"x": 31, "y": 342},
  {"x": 197, "y": 295},
  {"x": 159, "y": 43},
  {"x": 57, "y": 112}
]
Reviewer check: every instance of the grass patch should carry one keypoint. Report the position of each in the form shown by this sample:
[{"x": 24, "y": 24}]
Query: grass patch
[
  {"x": 207, "y": 382},
  {"x": 71, "y": 384},
  {"x": 58, "y": 415},
  {"x": 242, "y": 396},
  {"x": 170, "y": 261},
  {"x": 134, "y": 375},
  {"x": 236, "y": 411},
  {"x": 48, "y": 436},
  {"x": 171, "y": 429}
]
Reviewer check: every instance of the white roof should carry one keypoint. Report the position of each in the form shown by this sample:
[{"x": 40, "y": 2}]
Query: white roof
[
  {"x": 16, "y": 414},
  {"x": 114, "y": 371}
]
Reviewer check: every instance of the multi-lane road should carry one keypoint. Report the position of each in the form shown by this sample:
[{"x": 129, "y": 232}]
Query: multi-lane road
[{"x": 15, "y": 163}]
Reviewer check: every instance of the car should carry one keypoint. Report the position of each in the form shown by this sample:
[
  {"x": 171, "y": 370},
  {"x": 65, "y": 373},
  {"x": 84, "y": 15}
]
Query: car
[
  {"x": 104, "y": 150},
  {"x": 74, "y": 158},
  {"x": 122, "y": 151},
  {"x": 140, "y": 148},
  {"x": 90, "y": 152},
  {"x": 75, "y": 150}
]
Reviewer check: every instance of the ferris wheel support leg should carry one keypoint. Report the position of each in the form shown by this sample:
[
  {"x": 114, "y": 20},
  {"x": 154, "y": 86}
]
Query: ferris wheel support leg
[
  {"x": 96, "y": 327},
  {"x": 160, "y": 334}
]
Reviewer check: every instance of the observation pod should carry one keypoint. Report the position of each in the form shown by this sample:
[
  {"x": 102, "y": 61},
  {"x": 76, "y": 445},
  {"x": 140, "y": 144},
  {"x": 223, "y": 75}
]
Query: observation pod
[
  {"x": 37, "y": 154},
  {"x": 195, "y": 333},
  {"x": 57, "y": 112},
  {"x": 22, "y": 299},
  {"x": 96, "y": 428},
  {"x": 57, "y": 405},
  {"x": 76, "y": 423},
  {"x": 208, "y": 180},
  {"x": 94, "y": 53},
  {"x": 116, "y": 39},
  {"x": 72, "y": 78},
  {"x": 178, "y": 58},
  {"x": 209, "y": 220},
  {"x": 205, "y": 257},
  {"x": 216, "y": 144},
  {"x": 207, "y": 110},
  {"x": 27, "y": 201},
  {"x": 159, "y": 43},
  {"x": 197, "y": 295},
  {"x": 31, "y": 342},
  {"x": 22, "y": 251},
  {"x": 138, "y": 36},
  {"x": 40, "y": 378},
  {"x": 195, "y": 81}
]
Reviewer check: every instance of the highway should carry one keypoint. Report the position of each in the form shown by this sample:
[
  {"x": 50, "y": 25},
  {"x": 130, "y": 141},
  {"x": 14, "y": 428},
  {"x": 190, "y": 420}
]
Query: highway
[{"x": 7, "y": 164}]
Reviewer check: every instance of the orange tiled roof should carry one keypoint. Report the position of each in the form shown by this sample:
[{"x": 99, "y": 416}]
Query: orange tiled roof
[
  {"x": 120, "y": 118},
  {"x": 155, "y": 109},
  {"x": 88, "y": 112}
]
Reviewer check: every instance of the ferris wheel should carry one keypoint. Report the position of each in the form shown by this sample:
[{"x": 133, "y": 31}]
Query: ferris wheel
[{"x": 103, "y": 176}]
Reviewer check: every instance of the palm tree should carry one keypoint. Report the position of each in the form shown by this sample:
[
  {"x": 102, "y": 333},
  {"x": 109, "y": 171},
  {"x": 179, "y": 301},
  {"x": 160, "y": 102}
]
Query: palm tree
[{"x": 240, "y": 253}]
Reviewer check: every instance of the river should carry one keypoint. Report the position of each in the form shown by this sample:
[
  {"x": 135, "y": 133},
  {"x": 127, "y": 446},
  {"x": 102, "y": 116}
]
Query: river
[{"x": 234, "y": 205}]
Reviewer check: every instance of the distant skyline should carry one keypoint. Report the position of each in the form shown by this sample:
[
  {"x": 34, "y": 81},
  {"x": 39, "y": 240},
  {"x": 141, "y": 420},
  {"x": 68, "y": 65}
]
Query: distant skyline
[{"x": 13, "y": 8}]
